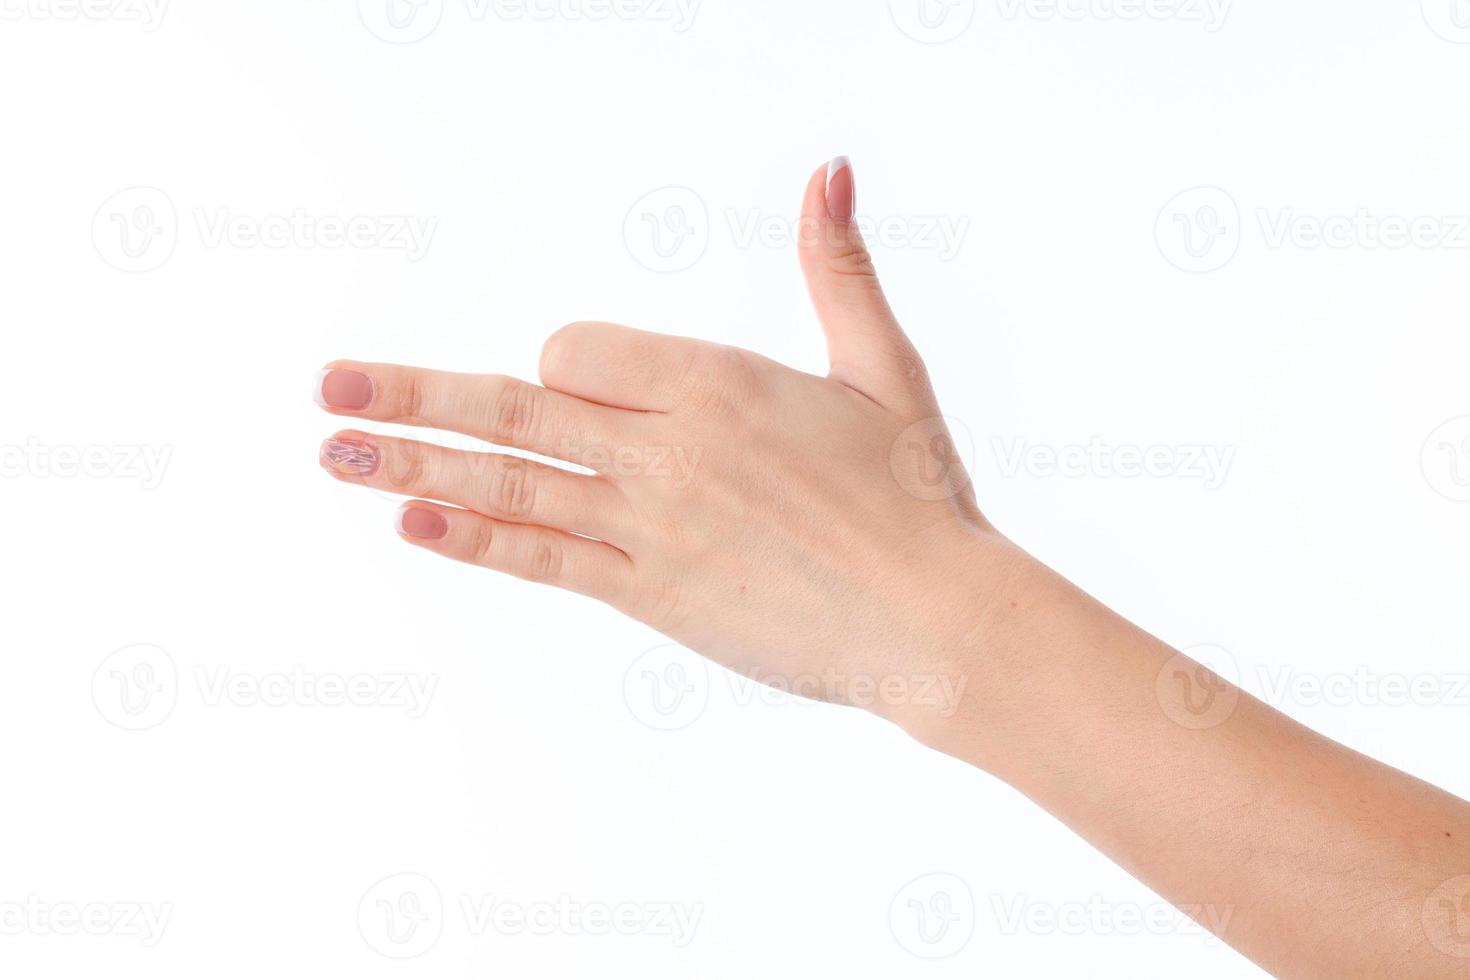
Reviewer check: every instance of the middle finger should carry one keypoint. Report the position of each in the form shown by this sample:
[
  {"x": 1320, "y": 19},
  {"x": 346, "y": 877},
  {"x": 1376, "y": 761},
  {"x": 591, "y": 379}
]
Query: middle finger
[
  {"x": 506, "y": 488},
  {"x": 498, "y": 409}
]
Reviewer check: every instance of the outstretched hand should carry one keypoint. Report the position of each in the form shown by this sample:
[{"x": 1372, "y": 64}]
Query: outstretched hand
[{"x": 814, "y": 532}]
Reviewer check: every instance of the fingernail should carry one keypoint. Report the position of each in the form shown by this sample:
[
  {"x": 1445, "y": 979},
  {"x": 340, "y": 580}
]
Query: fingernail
[
  {"x": 421, "y": 523},
  {"x": 349, "y": 457},
  {"x": 344, "y": 389},
  {"x": 841, "y": 190}
]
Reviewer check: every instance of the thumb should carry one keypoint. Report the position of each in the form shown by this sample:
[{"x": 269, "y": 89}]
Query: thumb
[{"x": 867, "y": 348}]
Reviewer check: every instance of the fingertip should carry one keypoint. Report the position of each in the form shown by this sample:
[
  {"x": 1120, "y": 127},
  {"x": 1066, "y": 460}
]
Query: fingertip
[
  {"x": 420, "y": 523},
  {"x": 339, "y": 388}
]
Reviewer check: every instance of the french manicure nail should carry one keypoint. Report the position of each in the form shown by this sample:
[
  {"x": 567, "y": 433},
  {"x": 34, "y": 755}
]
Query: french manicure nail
[
  {"x": 349, "y": 457},
  {"x": 421, "y": 523},
  {"x": 351, "y": 390},
  {"x": 841, "y": 190}
]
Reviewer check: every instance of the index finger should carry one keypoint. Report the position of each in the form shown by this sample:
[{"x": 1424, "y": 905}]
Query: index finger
[{"x": 498, "y": 409}]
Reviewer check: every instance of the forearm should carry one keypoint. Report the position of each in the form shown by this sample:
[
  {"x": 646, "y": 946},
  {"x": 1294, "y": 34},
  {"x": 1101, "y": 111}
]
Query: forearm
[{"x": 1311, "y": 859}]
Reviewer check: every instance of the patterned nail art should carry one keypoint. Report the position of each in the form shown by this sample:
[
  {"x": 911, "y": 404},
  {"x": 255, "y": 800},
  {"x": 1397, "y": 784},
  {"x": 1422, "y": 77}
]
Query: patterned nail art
[{"x": 349, "y": 458}]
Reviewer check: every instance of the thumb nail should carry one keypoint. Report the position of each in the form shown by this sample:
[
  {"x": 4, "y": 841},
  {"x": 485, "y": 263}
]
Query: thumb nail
[{"x": 841, "y": 191}]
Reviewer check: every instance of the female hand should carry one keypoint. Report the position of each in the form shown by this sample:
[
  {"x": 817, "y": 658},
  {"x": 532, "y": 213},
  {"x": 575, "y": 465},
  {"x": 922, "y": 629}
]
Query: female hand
[{"x": 818, "y": 534}]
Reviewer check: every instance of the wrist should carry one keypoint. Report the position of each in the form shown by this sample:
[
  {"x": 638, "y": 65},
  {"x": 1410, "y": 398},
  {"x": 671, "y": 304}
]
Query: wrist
[{"x": 973, "y": 602}]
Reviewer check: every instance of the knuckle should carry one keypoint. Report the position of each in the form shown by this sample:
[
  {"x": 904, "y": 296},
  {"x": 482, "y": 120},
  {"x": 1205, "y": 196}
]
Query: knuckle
[
  {"x": 658, "y": 602},
  {"x": 513, "y": 491},
  {"x": 515, "y": 413},
  {"x": 910, "y": 366},
  {"x": 853, "y": 260},
  {"x": 559, "y": 349},
  {"x": 408, "y": 400},
  {"x": 722, "y": 383},
  {"x": 546, "y": 559},
  {"x": 408, "y": 471},
  {"x": 482, "y": 540}
]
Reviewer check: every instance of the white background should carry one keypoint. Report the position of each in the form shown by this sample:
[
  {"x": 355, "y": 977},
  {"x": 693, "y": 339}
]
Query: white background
[{"x": 1331, "y": 552}]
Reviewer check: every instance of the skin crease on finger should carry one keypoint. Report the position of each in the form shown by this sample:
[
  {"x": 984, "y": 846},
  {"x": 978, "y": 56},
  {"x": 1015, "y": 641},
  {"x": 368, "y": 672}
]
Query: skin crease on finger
[{"x": 819, "y": 534}]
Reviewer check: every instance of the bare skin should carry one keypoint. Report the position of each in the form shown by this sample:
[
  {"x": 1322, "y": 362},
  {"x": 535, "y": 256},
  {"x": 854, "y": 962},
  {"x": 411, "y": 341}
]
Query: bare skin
[{"x": 817, "y": 533}]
